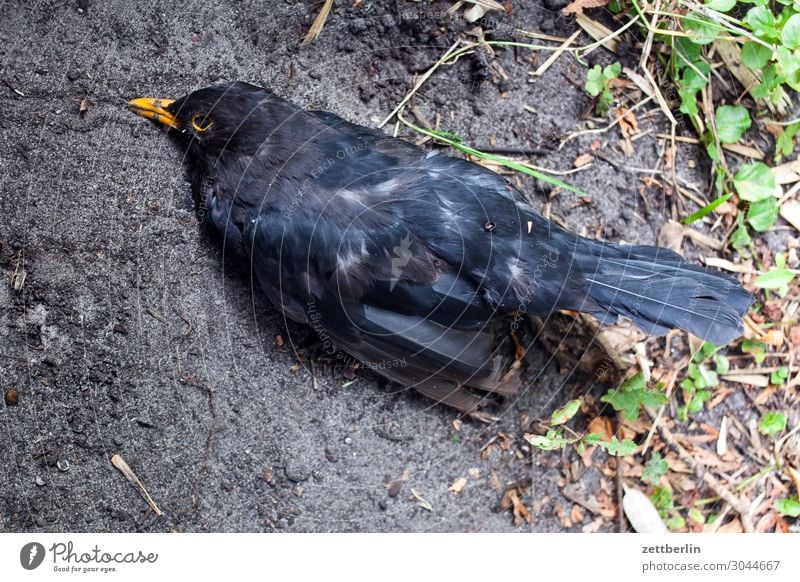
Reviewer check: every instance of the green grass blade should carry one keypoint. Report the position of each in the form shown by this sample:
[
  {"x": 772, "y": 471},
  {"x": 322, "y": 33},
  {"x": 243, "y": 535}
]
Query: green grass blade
[{"x": 707, "y": 209}]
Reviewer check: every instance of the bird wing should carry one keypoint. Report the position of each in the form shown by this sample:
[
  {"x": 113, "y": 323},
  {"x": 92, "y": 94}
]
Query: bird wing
[{"x": 384, "y": 298}]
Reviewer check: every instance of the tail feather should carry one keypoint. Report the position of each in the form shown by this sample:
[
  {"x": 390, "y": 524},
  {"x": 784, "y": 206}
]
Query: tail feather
[{"x": 659, "y": 291}]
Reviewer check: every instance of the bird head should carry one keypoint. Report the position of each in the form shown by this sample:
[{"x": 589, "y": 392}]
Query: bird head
[{"x": 223, "y": 117}]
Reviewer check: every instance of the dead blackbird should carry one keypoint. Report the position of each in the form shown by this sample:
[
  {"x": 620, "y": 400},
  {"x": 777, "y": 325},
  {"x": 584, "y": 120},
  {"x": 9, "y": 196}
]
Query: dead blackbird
[{"x": 416, "y": 263}]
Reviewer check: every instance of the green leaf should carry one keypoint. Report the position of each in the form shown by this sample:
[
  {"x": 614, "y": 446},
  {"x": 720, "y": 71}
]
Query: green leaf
[
  {"x": 754, "y": 181},
  {"x": 654, "y": 469},
  {"x": 772, "y": 423},
  {"x": 789, "y": 66},
  {"x": 762, "y": 214},
  {"x": 790, "y": 34},
  {"x": 697, "y": 515},
  {"x": 762, "y": 22},
  {"x": 675, "y": 521},
  {"x": 662, "y": 499},
  {"x": 740, "y": 237},
  {"x": 779, "y": 376},
  {"x": 700, "y": 31},
  {"x": 732, "y": 121},
  {"x": 788, "y": 506},
  {"x": 775, "y": 278},
  {"x": 695, "y": 403},
  {"x": 688, "y": 102},
  {"x": 618, "y": 448},
  {"x": 690, "y": 51},
  {"x": 721, "y": 5},
  {"x": 612, "y": 71},
  {"x": 695, "y": 80},
  {"x": 631, "y": 395},
  {"x": 566, "y": 412},
  {"x": 723, "y": 364},
  {"x": 784, "y": 145},
  {"x": 539, "y": 442},
  {"x": 756, "y": 349},
  {"x": 592, "y": 438},
  {"x": 755, "y": 55},
  {"x": 595, "y": 83}
]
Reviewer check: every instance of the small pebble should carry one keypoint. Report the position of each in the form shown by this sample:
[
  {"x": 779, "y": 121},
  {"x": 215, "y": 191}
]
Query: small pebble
[
  {"x": 330, "y": 455},
  {"x": 348, "y": 441},
  {"x": 296, "y": 473},
  {"x": 12, "y": 397},
  {"x": 394, "y": 488},
  {"x": 39, "y": 481}
]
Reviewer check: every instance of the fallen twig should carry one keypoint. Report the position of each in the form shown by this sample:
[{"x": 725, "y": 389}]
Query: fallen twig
[{"x": 123, "y": 468}]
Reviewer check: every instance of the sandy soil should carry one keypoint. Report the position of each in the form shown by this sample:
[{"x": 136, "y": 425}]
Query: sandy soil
[{"x": 132, "y": 335}]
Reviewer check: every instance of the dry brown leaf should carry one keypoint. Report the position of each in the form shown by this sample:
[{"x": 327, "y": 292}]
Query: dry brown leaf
[
  {"x": 790, "y": 211},
  {"x": 578, "y": 6},
  {"x": 750, "y": 379},
  {"x": 720, "y": 394},
  {"x": 767, "y": 523},
  {"x": 576, "y": 515},
  {"x": 511, "y": 499},
  {"x": 601, "y": 425},
  {"x": 787, "y": 173},
  {"x": 563, "y": 518},
  {"x": 671, "y": 236},
  {"x": 583, "y": 160},
  {"x": 494, "y": 481},
  {"x": 607, "y": 506},
  {"x": 597, "y": 31},
  {"x": 794, "y": 335},
  {"x": 628, "y": 124},
  {"x": 773, "y": 337}
]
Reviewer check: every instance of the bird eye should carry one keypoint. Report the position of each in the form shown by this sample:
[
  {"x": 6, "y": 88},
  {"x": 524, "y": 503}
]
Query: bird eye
[{"x": 201, "y": 122}]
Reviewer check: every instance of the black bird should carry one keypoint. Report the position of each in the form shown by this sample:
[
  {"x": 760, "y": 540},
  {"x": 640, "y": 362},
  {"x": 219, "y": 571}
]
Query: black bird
[{"x": 416, "y": 263}]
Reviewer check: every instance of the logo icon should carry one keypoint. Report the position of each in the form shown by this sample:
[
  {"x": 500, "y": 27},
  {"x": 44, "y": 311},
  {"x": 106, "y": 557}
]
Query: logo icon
[
  {"x": 31, "y": 555},
  {"x": 402, "y": 256}
]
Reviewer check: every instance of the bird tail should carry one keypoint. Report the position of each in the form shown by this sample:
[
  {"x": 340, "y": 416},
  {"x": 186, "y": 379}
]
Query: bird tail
[{"x": 658, "y": 291}]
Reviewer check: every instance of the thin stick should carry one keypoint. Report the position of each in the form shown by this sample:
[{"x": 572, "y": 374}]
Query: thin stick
[
  {"x": 558, "y": 52},
  {"x": 123, "y": 467},
  {"x": 648, "y": 45},
  {"x": 319, "y": 22},
  {"x": 420, "y": 82},
  {"x": 573, "y": 135}
]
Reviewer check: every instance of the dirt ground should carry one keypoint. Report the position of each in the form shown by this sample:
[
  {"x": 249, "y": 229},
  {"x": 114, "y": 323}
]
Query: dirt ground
[{"x": 132, "y": 335}]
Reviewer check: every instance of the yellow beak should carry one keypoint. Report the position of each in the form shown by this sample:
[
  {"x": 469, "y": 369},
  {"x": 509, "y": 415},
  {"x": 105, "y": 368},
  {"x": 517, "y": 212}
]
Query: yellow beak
[{"x": 154, "y": 109}]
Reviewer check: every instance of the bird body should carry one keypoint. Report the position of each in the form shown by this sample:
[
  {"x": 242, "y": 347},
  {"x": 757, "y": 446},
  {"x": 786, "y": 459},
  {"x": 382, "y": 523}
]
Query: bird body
[{"x": 416, "y": 263}]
